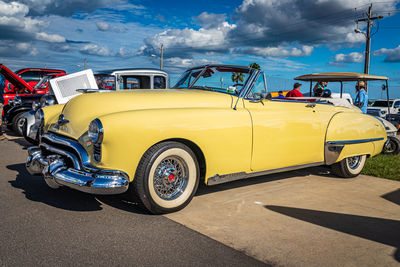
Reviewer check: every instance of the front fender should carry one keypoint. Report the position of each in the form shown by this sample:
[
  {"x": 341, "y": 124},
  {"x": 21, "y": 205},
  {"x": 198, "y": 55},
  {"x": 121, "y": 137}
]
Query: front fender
[
  {"x": 51, "y": 114},
  {"x": 223, "y": 135},
  {"x": 12, "y": 112},
  {"x": 353, "y": 134}
]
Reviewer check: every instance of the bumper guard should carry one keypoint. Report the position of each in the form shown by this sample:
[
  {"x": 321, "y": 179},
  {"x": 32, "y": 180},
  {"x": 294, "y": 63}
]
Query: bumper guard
[{"x": 87, "y": 179}]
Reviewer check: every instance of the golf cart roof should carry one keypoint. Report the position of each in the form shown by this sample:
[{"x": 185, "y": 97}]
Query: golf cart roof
[{"x": 339, "y": 76}]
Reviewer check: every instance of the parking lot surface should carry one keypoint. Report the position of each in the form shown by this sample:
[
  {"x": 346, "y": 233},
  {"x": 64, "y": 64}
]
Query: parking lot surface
[
  {"x": 44, "y": 227},
  {"x": 303, "y": 218},
  {"x": 298, "y": 218}
]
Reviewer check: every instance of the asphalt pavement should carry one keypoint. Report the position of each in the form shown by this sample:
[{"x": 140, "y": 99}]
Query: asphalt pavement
[
  {"x": 44, "y": 227},
  {"x": 300, "y": 218}
]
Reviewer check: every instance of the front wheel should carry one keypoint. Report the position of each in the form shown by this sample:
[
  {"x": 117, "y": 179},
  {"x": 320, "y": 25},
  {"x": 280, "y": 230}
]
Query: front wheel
[
  {"x": 18, "y": 123},
  {"x": 349, "y": 167},
  {"x": 392, "y": 147},
  {"x": 167, "y": 177}
]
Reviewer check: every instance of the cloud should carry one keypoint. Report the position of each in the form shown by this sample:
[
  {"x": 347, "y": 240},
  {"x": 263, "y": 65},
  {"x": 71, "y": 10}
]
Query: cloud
[
  {"x": 353, "y": 57},
  {"x": 102, "y": 26},
  {"x": 13, "y": 9},
  {"x": 279, "y": 51},
  {"x": 60, "y": 47},
  {"x": 10, "y": 48},
  {"x": 66, "y": 7},
  {"x": 392, "y": 55},
  {"x": 183, "y": 43},
  {"x": 16, "y": 26},
  {"x": 279, "y": 28},
  {"x": 266, "y": 23},
  {"x": 51, "y": 38},
  {"x": 210, "y": 20},
  {"x": 105, "y": 51},
  {"x": 94, "y": 49}
]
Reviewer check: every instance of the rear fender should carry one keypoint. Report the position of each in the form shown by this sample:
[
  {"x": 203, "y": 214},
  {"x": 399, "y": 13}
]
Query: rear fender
[{"x": 353, "y": 134}]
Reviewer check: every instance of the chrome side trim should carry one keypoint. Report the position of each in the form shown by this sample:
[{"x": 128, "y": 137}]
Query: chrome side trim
[
  {"x": 219, "y": 179},
  {"x": 350, "y": 142}
]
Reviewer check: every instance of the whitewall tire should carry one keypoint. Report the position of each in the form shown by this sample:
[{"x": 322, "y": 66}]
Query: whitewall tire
[
  {"x": 349, "y": 167},
  {"x": 167, "y": 177}
]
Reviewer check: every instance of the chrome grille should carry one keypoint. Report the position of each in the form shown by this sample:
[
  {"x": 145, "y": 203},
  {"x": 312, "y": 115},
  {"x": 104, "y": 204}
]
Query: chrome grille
[
  {"x": 66, "y": 147},
  {"x": 97, "y": 152}
]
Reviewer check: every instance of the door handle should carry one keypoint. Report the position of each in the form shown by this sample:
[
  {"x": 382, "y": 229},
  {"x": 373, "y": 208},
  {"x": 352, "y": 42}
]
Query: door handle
[{"x": 311, "y": 105}]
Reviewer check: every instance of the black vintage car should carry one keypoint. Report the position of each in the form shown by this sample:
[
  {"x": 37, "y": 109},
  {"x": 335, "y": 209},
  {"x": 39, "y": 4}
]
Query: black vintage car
[{"x": 14, "y": 111}]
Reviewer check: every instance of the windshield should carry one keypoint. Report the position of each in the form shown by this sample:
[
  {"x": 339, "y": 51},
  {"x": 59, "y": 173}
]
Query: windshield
[
  {"x": 44, "y": 82},
  {"x": 381, "y": 103},
  {"x": 224, "y": 79}
]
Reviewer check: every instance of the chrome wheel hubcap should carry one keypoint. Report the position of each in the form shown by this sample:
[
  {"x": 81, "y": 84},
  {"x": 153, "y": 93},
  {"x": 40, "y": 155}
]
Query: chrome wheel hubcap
[
  {"x": 170, "y": 178},
  {"x": 20, "y": 124},
  {"x": 354, "y": 162},
  {"x": 390, "y": 147}
]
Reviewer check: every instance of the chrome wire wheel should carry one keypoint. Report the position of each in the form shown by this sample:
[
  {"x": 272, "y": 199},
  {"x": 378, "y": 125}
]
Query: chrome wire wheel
[
  {"x": 167, "y": 177},
  {"x": 170, "y": 178},
  {"x": 354, "y": 162}
]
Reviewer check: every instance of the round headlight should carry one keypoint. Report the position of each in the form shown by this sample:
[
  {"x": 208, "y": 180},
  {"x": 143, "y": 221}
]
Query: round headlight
[
  {"x": 39, "y": 116},
  {"x": 95, "y": 131},
  {"x": 47, "y": 100}
]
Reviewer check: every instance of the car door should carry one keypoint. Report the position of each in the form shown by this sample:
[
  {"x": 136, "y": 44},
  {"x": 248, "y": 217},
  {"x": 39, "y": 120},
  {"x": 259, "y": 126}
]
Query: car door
[{"x": 285, "y": 133}]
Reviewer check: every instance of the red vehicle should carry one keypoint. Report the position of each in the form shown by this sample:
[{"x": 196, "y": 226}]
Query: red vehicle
[
  {"x": 33, "y": 75},
  {"x": 15, "y": 85}
]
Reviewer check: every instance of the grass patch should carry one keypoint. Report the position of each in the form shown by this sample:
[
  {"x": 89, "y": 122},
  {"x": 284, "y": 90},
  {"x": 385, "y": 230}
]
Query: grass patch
[{"x": 384, "y": 166}]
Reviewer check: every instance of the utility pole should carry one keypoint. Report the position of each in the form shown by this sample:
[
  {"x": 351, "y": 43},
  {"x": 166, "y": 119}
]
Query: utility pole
[
  {"x": 161, "y": 57},
  {"x": 369, "y": 19}
]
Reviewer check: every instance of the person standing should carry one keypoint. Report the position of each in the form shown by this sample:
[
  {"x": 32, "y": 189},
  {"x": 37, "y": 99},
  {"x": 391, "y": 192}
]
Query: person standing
[
  {"x": 2, "y": 85},
  {"x": 296, "y": 91},
  {"x": 319, "y": 88},
  {"x": 361, "y": 99}
]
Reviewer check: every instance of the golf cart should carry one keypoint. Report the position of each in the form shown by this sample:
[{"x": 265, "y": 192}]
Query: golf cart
[{"x": 392, "y": 145}]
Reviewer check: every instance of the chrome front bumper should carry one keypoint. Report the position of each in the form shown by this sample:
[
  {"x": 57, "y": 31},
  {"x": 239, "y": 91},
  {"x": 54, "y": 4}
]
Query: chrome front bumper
[{"x": 56, "y": 172}]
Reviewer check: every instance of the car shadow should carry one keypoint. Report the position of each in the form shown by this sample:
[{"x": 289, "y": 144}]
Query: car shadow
[
  {"x": 393, "y": 196},
  {"x": 22, "y": 142},
  {"x": 35, "y": 189},
  {"x": 385, "y": 231},
  {"x": 320, "y": 171}
]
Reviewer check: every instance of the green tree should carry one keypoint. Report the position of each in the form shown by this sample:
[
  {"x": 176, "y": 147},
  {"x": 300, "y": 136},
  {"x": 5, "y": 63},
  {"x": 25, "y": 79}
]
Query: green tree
[
  {"x": 255, "y": 66},
  {"x": 237, "y": 77}
]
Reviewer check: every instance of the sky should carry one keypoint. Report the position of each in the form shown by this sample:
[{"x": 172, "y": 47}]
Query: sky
[{"x": 286, "y": 38}]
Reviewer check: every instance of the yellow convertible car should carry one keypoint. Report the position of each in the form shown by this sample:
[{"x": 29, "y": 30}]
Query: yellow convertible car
[{"x": 216, "y": 125}]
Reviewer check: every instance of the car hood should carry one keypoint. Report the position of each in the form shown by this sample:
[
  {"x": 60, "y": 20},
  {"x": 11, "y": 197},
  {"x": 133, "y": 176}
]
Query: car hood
[
  {"x": 14, "y": 79},
  {"x": 81, "y": 110}
]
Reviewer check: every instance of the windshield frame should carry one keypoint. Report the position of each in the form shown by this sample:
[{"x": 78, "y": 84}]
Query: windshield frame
[{"x": 249, "y": 81}]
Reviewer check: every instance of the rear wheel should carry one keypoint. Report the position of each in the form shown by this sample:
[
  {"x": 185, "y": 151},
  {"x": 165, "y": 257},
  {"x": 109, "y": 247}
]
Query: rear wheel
[
  {"x": 18, "y": 123},
  {"x": 167, "y": 177},
  {"x": 392, "y": 147},
  {"x": 349, "y": 167}
]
